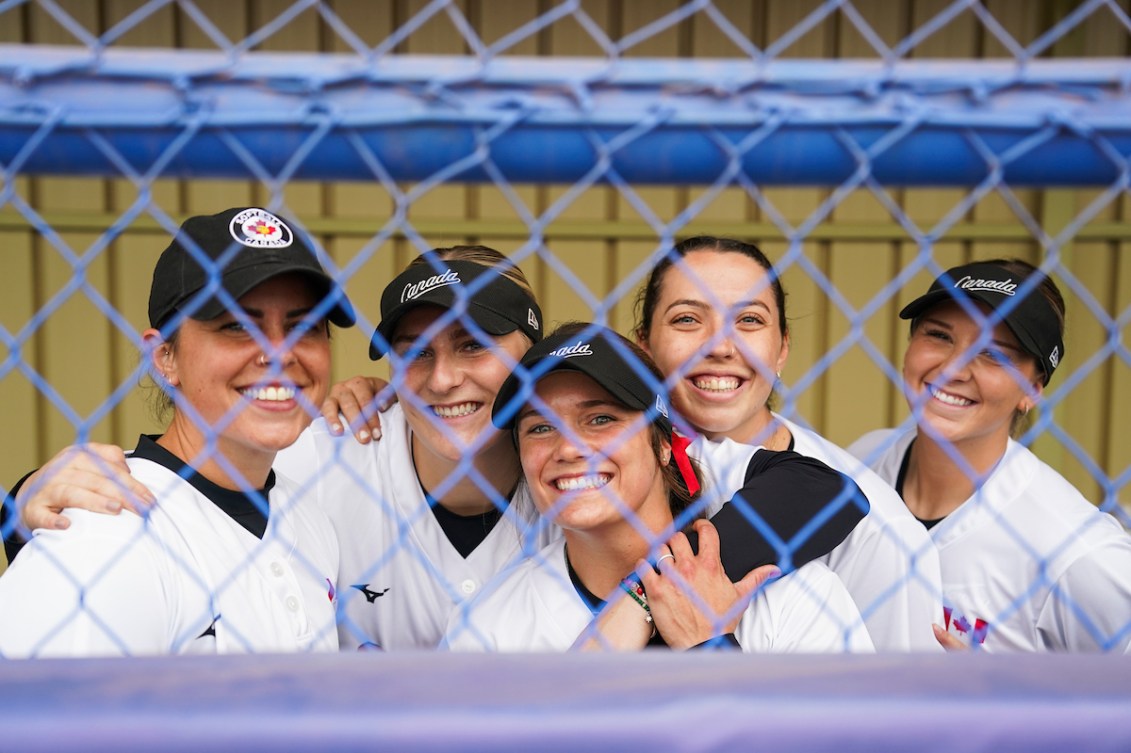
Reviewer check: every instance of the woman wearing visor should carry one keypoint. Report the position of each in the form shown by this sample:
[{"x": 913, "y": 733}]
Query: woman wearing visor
[
  {"x": 429, "y": 513},
  {"x": 1028, "y": 564}
]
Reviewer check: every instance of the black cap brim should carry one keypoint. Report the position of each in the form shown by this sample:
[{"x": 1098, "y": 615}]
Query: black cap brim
[
  {"x": 241, "y": 282},
  {"x": 487, "y": 320},
  {"x": 1031, "y": 319},
  {"x": 483, "y": 294},
  {"x": 608, "y": 368}
]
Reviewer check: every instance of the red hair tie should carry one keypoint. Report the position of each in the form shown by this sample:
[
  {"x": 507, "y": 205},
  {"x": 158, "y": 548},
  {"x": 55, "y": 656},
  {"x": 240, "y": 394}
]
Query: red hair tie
[{"x": 679, "y": 454}]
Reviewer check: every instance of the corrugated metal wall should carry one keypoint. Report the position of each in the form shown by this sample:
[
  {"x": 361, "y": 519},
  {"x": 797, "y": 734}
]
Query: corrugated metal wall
[{"x": 601, "y": 238}]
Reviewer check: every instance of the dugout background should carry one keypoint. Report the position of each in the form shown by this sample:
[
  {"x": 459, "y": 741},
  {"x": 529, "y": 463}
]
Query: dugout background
[{"x": 601, "y": 237}]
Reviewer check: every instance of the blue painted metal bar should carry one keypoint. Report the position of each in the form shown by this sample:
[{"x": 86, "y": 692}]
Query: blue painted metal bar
[{"x": 73, "y": 111}]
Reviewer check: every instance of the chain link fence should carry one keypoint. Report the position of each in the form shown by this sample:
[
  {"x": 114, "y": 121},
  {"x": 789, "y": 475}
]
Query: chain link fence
[{"x": 866, "y": 146}]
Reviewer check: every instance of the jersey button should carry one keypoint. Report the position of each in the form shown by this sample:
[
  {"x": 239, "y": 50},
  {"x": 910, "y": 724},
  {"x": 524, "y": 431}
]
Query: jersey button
[
  {"x": 468, "y": 586},
  {"x": 277, "y": 569},
  {"x": 292, "y": 603}
]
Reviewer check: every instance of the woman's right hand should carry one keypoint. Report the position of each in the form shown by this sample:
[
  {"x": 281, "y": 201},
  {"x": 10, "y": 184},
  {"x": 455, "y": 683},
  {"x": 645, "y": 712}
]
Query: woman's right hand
[
  {"x": 360, "y": 401},
  {"x": 691, "y": 598},
  {"x": 90, "y": 476}
]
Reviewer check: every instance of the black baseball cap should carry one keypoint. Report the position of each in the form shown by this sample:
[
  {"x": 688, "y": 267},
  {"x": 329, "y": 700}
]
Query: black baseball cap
[
  {"x": 244, "y": 247},
  {"x": 599, "y": 353},
  {"x": 1031, "y": 319},
  {"x": 496, "y": 304}
]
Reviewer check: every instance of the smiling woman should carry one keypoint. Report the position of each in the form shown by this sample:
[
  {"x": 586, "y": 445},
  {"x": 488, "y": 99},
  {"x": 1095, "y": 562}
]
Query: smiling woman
[
  {"x": 712, "y": 314},
  {"x": 226, "y": 561},
  {"x": 453, "y": 324},
  {"x": 228, "y": 379},
  {"x": 601, "y": 460},
  {"x": 1028, "y": 564}
]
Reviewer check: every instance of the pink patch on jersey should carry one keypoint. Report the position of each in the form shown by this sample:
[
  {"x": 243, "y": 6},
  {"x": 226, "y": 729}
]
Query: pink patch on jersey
[{"x": 331, "y": 593}]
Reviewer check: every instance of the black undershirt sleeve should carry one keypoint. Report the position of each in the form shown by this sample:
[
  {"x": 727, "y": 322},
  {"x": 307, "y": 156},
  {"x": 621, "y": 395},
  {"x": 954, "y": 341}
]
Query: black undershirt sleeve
[
  {"x": 783, "y": 493},
  {"x": 9, "y": 521},
  {"x": 239, "y": 506}
]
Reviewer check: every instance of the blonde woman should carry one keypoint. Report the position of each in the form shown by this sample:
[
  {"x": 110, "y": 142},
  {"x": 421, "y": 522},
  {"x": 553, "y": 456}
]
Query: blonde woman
[{"x": 1028, "y": 564}]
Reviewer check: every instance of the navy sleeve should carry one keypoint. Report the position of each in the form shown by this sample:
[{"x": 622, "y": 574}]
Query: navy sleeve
[
  {"x": 9, "y": 521},
  {"x": 791, "y": 510},
  {"x": 725, "y": 642}
]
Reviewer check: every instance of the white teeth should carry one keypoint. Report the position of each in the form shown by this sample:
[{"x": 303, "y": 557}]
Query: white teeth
[
  {"x": 579, "y": 483},
  {"x": 944, "y": 397},
  {"x": 269, "y": 394},
  {"x": 455, "y": 411},
  {"x": 716, "y": 384}
]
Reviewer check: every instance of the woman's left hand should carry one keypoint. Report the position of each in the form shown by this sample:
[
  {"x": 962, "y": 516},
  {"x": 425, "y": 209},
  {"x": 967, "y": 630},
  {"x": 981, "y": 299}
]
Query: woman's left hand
[
  {"x": 691, "y": 598},
  {"x": 356, "y": 400}
]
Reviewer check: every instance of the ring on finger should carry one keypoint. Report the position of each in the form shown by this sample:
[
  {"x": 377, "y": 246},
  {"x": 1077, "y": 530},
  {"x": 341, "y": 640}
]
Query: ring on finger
[{"x": 668, "y": 556}]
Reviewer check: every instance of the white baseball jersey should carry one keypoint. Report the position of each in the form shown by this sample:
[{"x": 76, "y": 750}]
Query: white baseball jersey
[
  {"x": 400, "y": 576},
  {"x": 187, "y": 579},
  {"x": 888, "y": 563},
  {"x": 537, "y": 608},
  {"x": 1028, "y": 564}
]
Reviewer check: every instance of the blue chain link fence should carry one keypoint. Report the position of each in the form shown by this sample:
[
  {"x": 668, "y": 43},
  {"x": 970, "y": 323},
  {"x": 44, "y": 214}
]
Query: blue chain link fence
[{"x": 484, "y": 111}]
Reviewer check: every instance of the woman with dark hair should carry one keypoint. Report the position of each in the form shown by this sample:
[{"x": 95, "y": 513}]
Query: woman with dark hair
[
  {"x": 599, "y": 458},
  {"x": 712, "y": 315},
  {"x": 1028, "y": 564}
]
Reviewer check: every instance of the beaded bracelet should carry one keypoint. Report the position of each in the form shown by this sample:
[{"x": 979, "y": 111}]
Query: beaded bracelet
[{"x": 634, "y": 589}]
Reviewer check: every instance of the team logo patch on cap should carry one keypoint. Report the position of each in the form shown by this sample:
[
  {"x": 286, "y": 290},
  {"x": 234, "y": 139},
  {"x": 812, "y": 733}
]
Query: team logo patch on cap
[
  {"x": 570, "y": 351},
  {"x": 661, "y": 408},
  {"x": 1054, "y": 357},
  {"x": 531, "y": 319},
  {"x": 258, "y": 228}
]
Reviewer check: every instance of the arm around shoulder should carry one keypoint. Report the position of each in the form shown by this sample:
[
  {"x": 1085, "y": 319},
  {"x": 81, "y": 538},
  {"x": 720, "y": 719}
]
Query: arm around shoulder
[{"x": 791, "y": 510}]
